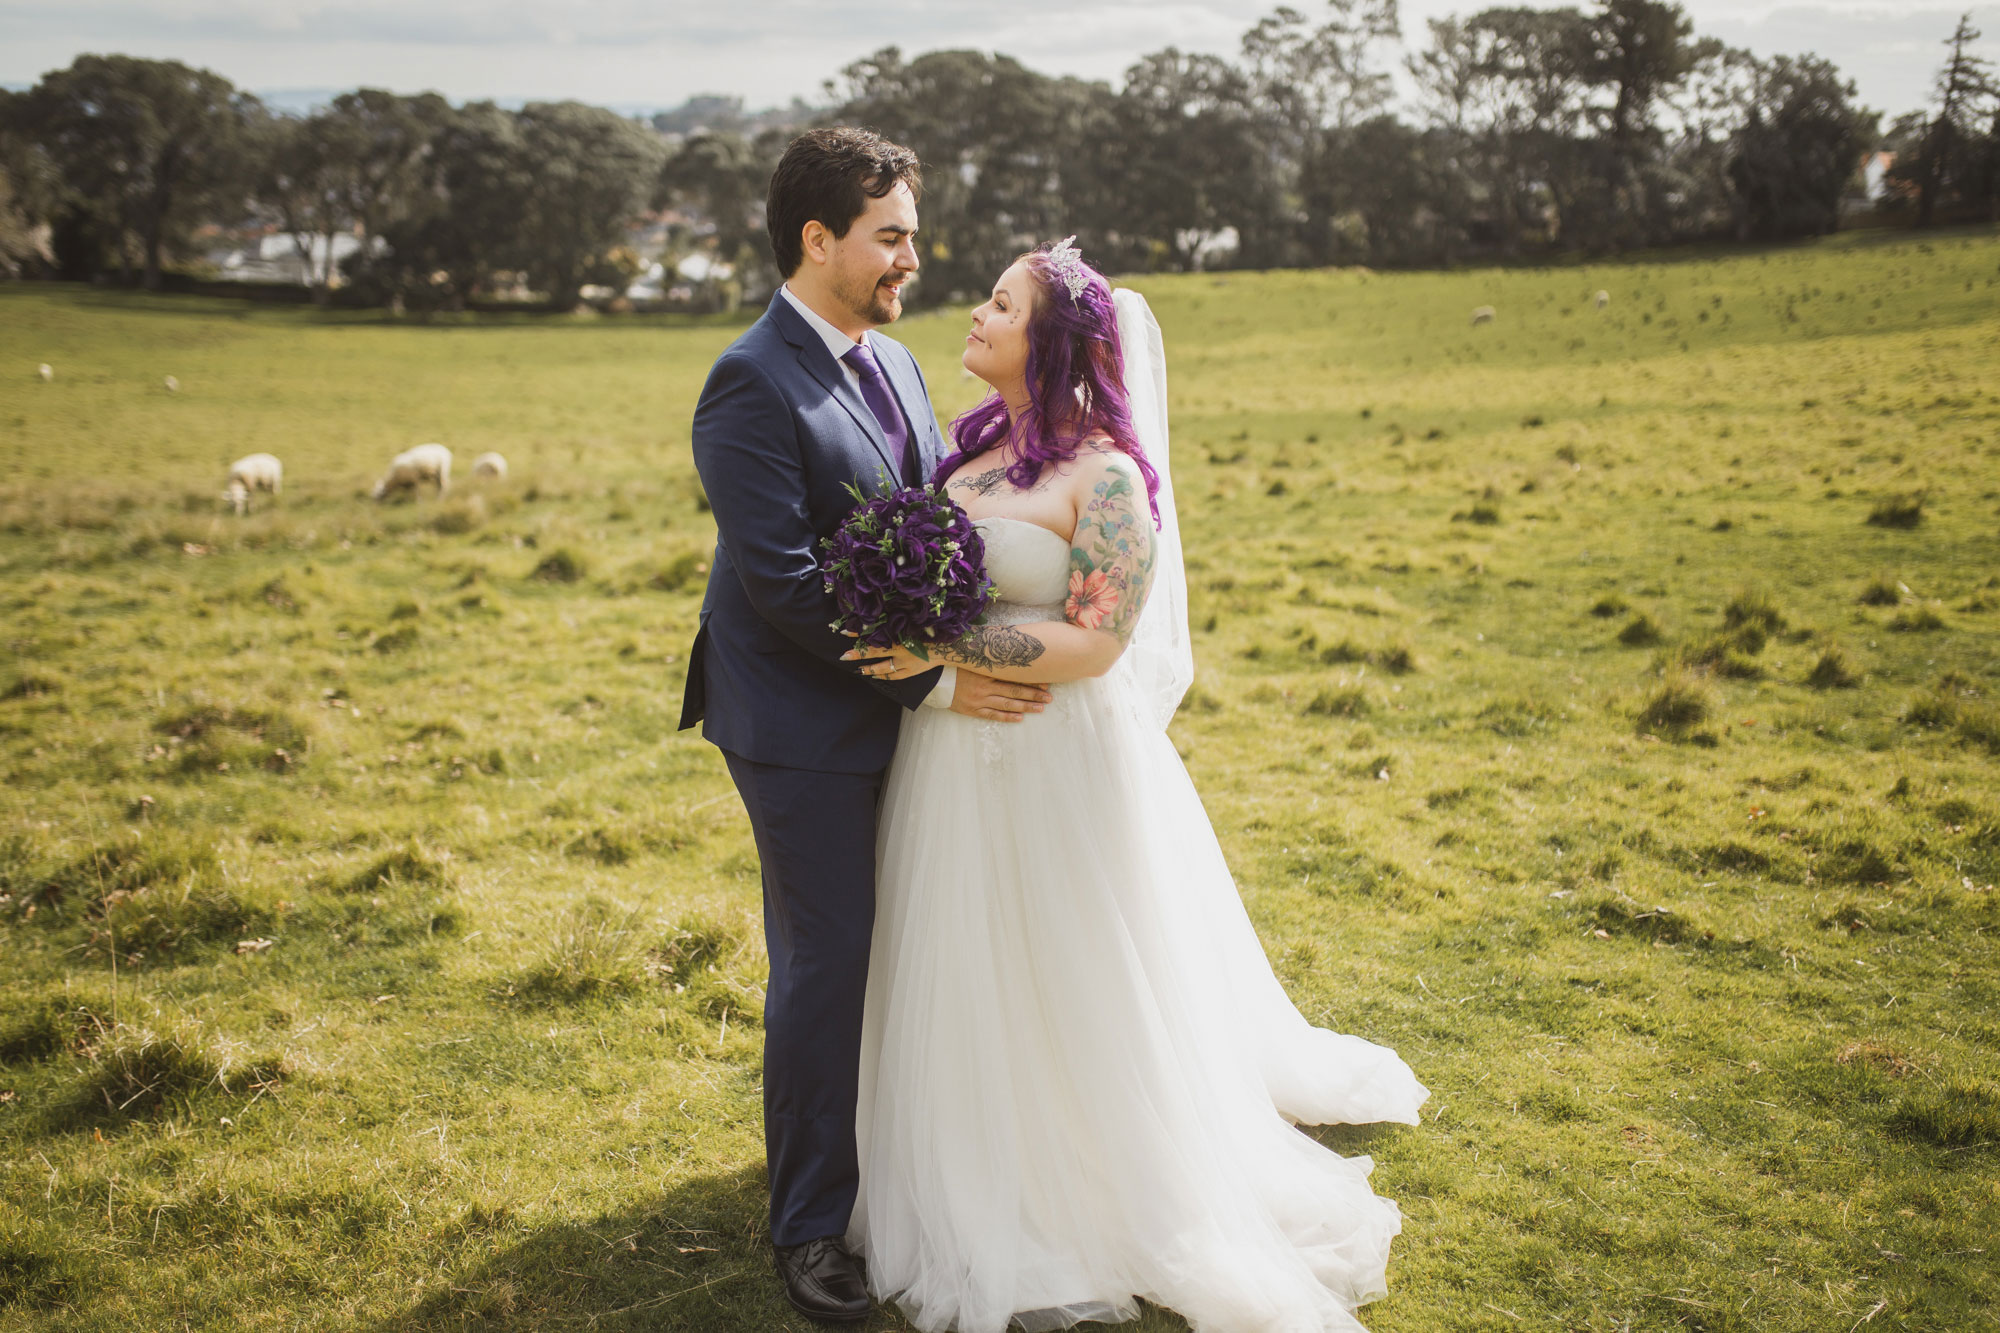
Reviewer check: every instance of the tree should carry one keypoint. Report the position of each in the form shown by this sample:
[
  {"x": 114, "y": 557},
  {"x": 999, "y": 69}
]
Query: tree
[
  {"x": 145, "y": 148},
  {"x": 1952, "y": 149},
  {"x": 1324, "y": 77},
  {"x": 301, "y": 186},
  {"x": 1185, "y": 162},
  {"x": 1642, "y": 50},
  {"x": 590, "y": 172},
  {"x": 30, "y": 192},
  {"x": 469, "y": 226},
  {"x": 1531, "y": 100},
  {"x": 1706, "y": 117},
  {"x": 1798, "y": 150},
  {"x": 723, "y": 178},
  {"x": 379, "y": 149},
  {"x": 1387, "y": 190},
  {"x": 1003, "y": 149}
]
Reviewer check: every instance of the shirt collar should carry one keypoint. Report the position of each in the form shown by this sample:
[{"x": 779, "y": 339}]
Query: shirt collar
[{"x": 837, "y": 343}]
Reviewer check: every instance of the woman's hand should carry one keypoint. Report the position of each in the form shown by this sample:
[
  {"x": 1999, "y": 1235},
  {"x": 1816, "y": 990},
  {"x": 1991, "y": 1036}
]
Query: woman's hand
[{"x": 897, "y": 663}]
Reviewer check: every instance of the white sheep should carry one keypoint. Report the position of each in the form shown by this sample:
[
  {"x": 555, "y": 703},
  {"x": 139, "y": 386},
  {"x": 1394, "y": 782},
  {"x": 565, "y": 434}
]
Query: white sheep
[
  {"x": 490, "y": 464},
  {"x": 1483, "y": 315},
  {"x": 253, "y": 472},
  {"x": 173, "y": 385},
  {"x": 46, "y": 371},
  {"x": 1603, "y": 299},
  {"x": 407, "y": 470}
]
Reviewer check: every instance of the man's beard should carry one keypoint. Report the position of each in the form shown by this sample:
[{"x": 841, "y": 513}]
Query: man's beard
[{"x": 875, "y": 303}]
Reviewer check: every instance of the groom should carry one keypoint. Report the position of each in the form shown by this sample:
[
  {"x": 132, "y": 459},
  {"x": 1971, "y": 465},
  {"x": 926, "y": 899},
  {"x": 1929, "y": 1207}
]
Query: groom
[{"x": 807, "y": 401}]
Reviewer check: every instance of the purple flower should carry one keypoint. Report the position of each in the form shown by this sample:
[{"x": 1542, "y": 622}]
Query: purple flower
[{"x": 907, "y": 567}]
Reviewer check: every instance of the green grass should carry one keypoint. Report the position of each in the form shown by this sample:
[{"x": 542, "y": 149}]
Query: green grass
[{"x": 1584, "y": 705}]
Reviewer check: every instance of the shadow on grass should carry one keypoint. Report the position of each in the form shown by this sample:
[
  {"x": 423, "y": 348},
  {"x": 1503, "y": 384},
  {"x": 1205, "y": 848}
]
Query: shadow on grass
[
  {"x": 696, "y": 1258},
  {"x": 693, "y": 1257}
]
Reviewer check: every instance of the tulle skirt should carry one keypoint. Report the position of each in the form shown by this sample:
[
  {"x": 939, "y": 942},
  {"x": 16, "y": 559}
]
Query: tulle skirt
[{"x": 1079, "y": 1075}]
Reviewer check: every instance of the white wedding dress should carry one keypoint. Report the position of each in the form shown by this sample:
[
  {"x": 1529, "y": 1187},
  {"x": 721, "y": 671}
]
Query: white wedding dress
[{"x": 1079, "y": 1075}]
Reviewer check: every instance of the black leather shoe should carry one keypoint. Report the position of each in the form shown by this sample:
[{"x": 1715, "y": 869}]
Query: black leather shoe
[{"x": 823, "y": 1281}]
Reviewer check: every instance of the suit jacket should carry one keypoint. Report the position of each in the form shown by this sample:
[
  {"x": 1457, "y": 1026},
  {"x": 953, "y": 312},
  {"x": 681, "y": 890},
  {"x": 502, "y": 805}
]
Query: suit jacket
[{"x": 779, "y": 433}]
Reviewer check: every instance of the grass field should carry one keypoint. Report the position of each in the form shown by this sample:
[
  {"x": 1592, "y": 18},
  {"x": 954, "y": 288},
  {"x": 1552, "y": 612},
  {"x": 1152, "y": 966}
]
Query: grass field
[{"x": 1597, "y": 707}]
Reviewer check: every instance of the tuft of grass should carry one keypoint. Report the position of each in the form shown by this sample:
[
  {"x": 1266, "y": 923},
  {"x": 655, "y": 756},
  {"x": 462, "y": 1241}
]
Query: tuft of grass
[
  {"x": 1833, "y": 670},
  {"x": 1860, "y": 860},
  {"x": 206, "y": 738},
  {"x": 1339, "y": 701},
  {"x": 1681, "y": 703},
  {"x": 679, "y": 573},
  {"x": 1958, "y": 1113},
  {"x": 134, "y": 1069},
  {"x": 395, "y": 640},
  {"x": 159, "y": 923},
  {"x": 31, "y": 685},
  {"x": 1609, "y": 607},
  {"x": 1955, "y": 704},
  {"x": 1481, "y": 513},
  {"x": 39, "y": 1276},
  {"x": 1519, "y": 717},
  {"x": 1754, "y": 608},
  {"x": 459, "y": 515},
  {"x": 166, "y": 860},
  {"x": 1622, "y": 916},
  {"x": 605, "y": 846},
  {"x": 559, "y": 566},
  {"x": 1641, "y": 631},
  {"x": 1916, "y": 620},
  {"x": 697, "y": 962},
  {"x": 591, "y": 953},
  {"x": 50, "y": 1026},
  {"x": 1729, "y": 653},
  {"x": 410, "y": 865},
  {"x": 1883, "y": 591},
  {"x": 1897, "y": 511}
]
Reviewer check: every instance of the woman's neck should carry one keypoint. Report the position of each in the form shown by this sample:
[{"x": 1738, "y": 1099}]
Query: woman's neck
[{"x": 1015, "y": 397}]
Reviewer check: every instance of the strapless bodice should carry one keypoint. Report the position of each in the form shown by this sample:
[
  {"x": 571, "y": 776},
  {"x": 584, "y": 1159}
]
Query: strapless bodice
[{"x": 1029, "y": 567}]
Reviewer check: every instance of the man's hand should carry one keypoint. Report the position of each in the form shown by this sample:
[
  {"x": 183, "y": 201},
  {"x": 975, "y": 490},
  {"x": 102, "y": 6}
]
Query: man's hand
[{"x": 996, "y": 700}]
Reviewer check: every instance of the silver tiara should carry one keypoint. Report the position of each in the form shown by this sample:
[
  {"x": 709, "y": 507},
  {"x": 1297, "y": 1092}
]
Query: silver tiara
[{"x": 1067, "y": 261}]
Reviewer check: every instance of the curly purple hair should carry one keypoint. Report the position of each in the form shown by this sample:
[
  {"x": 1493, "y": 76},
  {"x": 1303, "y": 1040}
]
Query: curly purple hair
[{"x": 1076, "y": 386}]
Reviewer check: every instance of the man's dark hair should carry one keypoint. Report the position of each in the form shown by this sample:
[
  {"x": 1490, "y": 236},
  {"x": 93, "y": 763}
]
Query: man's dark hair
[{"x": 828, "y": 176}]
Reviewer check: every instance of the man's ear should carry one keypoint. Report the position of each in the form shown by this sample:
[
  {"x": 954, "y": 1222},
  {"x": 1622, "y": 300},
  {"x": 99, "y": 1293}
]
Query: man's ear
[{"x": 816, "y": 241}]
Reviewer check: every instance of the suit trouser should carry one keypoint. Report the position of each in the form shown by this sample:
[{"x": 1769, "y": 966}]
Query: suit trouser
[{"x": 816, "y": 842}]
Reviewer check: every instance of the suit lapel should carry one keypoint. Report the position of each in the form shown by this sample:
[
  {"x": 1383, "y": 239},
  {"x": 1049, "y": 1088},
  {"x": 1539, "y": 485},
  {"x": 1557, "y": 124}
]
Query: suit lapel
[{"x": 820, "y": 364}]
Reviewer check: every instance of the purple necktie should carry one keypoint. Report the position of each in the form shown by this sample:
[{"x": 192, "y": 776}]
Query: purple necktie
[{"x": 875, "y": 392}]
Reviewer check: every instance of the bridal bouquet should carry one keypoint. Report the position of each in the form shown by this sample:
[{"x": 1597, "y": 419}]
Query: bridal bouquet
[{"x": 906, "y": 568}]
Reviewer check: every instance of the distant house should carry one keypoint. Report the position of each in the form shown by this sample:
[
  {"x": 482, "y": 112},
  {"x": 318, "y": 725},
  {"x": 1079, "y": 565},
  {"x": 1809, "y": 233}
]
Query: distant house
[
  {"x": 1875, "y": 170},
  {"x": 276, "y": 258}
]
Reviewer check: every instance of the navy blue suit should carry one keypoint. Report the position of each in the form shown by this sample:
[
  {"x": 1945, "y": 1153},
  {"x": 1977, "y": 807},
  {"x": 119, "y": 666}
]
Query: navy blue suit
[{"x": 779, "y": 434}]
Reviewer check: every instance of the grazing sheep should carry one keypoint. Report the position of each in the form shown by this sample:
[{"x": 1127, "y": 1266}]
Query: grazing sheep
[
  {"x": 46, "y": 371},
  {"x": 426, "y": 462},
  {"x": 1603, "y": 299},
  {"x": 1483, "y": 315},
  {"x": 490, "y": 464},
  {"x": 173, "y": 385},
  {"x": 253, "y": 472}
]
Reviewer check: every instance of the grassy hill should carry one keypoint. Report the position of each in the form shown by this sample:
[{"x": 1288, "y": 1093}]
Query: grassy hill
[{"x": 1597, "y": 706}]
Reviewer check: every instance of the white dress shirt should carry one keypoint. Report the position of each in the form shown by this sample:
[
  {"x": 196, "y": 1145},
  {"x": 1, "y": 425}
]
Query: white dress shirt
[{"x": 839, "y": 344}]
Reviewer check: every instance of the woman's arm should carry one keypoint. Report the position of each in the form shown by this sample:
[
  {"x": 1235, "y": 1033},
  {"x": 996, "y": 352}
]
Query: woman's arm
[{"x": 1111, "y": 571}]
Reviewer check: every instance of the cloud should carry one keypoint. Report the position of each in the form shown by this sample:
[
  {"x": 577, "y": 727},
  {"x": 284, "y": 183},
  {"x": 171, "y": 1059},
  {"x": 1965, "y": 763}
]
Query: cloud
[{"x": 645, "y": 52}]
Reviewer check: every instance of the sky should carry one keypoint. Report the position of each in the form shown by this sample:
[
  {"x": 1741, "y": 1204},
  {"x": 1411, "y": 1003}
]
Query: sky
[{"x": 635, "y": 55}]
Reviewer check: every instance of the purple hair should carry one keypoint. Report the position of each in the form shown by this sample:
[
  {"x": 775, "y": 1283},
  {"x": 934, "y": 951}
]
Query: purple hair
[{"x": 1076, "y": 386}]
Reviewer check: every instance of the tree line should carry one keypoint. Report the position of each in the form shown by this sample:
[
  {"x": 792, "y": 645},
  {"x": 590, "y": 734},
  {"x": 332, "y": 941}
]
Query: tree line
[{"x": 1531, "y": 131}]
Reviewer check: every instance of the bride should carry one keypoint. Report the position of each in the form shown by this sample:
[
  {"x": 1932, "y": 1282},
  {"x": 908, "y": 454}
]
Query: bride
[{"x": 1080, "y": 1078}]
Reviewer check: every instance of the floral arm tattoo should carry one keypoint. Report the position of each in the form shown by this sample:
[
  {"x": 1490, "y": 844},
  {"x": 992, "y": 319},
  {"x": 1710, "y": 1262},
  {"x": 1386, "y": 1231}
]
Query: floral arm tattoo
[
  {"x": 989, "y": 646},
  {"x": 1111, "y": 557}
]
